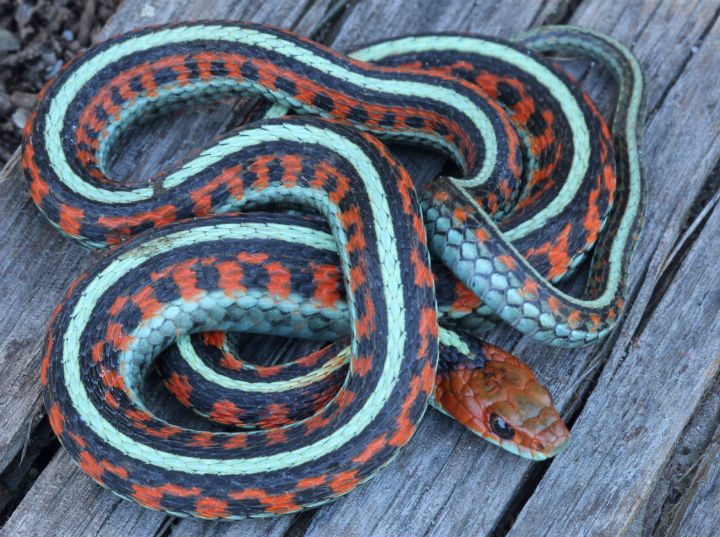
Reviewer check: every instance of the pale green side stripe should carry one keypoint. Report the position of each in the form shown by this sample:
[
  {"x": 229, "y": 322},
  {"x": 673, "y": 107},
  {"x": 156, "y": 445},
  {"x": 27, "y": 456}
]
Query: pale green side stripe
[
  {"x": 390, "y": 272},
  {"x": 473, "y": 45},
  {"x": 59, "y": 106},
  {"x": 196, "y": 363}
]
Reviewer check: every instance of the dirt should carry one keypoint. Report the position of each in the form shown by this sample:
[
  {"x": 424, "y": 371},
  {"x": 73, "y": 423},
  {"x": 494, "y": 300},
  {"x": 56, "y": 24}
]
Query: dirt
[{"x": 36, "y": 39}]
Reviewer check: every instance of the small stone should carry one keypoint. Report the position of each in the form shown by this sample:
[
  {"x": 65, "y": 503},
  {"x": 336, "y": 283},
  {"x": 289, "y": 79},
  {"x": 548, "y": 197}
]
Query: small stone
[
  {"x": 19, "y": 117},
  {"x": 67, "y": 35},
  {"x": 23, "y": 13},
  {"x": 8, "y": 41},
  {"x": 23, "y": 99}
]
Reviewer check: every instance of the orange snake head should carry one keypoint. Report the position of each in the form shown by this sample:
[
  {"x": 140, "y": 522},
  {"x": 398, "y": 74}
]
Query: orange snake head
[{"x": 496, "y": 396}]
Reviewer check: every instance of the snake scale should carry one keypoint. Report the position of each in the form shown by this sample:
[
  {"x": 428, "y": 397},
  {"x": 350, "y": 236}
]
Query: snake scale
[{"x": 540, "y": 180}]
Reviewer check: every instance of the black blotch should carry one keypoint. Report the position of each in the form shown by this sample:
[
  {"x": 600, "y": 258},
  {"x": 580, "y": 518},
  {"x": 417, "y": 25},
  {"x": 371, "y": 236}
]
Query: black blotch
[
  {"x": 207, "y": 277},
  {"x": 166, "y": 290},
  {"x": 415, "y": 122},
  {"x": 507, "y": 94},
  {"x": 358, "y": 114},
  {"x": 218, "y": 69},
  {"x": 249, "y": 71},
  {"x": 536, "y": 123},
  {"x": 286, "y": 85},
  {"x": 323, "y": 102},
  {"x": 136, "y": 85},
  {"x": 165, "y": 76},
  {"x": 131, "y": 315},
  {"x": 388, "y": 120}
]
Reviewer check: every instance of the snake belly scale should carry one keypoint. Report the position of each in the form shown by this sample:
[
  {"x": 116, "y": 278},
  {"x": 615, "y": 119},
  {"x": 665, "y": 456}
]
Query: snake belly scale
[{"x": 144, "y": 294}]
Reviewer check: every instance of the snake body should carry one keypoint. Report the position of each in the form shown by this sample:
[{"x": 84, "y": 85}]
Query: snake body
[{"x": 187, "y": 277}]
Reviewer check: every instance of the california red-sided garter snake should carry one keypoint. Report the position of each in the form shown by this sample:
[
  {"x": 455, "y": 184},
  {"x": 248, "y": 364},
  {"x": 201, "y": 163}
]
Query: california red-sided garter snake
[{"x": 537, "y": 189}]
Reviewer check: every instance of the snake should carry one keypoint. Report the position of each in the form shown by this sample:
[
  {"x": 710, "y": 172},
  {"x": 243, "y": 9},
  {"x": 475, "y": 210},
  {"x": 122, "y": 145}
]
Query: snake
[{"x": 526, "y": 207}]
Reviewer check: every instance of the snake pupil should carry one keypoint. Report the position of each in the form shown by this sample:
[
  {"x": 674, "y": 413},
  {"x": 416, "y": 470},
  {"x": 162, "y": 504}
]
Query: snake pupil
[{"x": 501, "y": 428}]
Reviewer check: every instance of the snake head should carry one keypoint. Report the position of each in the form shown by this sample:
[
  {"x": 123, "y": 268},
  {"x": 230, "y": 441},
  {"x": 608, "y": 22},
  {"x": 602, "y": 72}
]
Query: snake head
[{"x": 497, "y": 396}]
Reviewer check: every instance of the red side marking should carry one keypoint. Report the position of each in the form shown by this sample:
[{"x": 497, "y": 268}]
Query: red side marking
[
  {"x": 530, "y": 289},
  {"x": 202, "y": 440},
  {"x": 78, "y": 440},
  {"x": 428, "y": 327},
  {"x": 574, "y": 319},
  {"x": 179, "y": 386},
  {"x": 311, "y": 482},
  {"x": 147, "y": 81},
  {"x": 481, "y": 235},
  {"x": 275, "y": 503},
  {"x": 226, "y": 412},
  {"x": 213, "y": 338},
  {"x": 292, "y": 166},
  {"x": 313, "y": 358},
  {"x": 112, "y": 379},
  {"x": 363, "y": 364},
  {"x": 231, "y": 277},
  {"x": 70, "y": 219},
  {"x": 275, "y": 436},
  {"x": 268, "y": 371},
  {"x": 255, "y": 259},
  {"x": 405, "y": 428},
  {"x": 91, "y": 466},
  {"x": 117, "y": 470},
  {"x": 117, "y": 337},
  {"x": 419, "y": 228},
  {"x": 326, "y": 279},
  {"x": 558, "y": 254},
  {"x": 371, "y": 449},
  {"x": 46, "y": 362},
  {"x": 595, "y": 320},
  {"x": 279, "y": 284},
  {"x": 554, "y": 304},
  {"x": 160, "y": 216},
  {"x": 356, "y": 240},
  {"x": 186, "y": 280},
  {"x": 315, "y": 422},
  {"x": 118, "y": 305},
  {"x": 267, "y": 73},
  {"x": 231, "y": 178},
  {"x": 275, "y": 416},
  {"x": 358, "y": 274},
  {"x": 423, "y": 274},
  {"x": 259, "y": 168},
  {"x": 236, "y": 441},
  {"x": 345, "y": 398},
  {"x": 111, "y": 400},
  {"x": 97, "y": 350},
  {"x": 365, "y": 323},
  {"x": 57, "y": 420},
  {"x": 204, "y": 62},
  {"x": 508, "y": 261},
  {"x": 609, "y": 181},
  {"x": 344, "y": 482},
  {"x": 228, "y": 361},
  {"x": 211, "y": 508},
  {"x": 138, "y": 415},
  {"x": 592, "y": 220},
  {"x": 146, "y": 301},
  {"x": 151, "y": 496}
]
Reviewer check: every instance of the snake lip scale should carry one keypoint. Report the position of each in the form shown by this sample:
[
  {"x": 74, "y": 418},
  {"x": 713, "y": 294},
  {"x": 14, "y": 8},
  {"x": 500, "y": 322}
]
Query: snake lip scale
[{"x": 542, "y": 183}]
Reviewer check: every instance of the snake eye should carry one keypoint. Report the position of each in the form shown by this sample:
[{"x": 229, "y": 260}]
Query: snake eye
[{"x": 501, "y": 428}]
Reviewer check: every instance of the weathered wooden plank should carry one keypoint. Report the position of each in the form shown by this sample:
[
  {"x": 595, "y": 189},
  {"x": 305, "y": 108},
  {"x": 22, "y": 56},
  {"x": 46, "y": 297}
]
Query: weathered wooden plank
[
  {"x": 698, "y": 514},
  {"x": 656, "y": 377}
]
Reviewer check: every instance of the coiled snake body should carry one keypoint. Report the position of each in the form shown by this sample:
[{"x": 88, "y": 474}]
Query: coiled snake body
[{"x": 537, "y": 189}]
